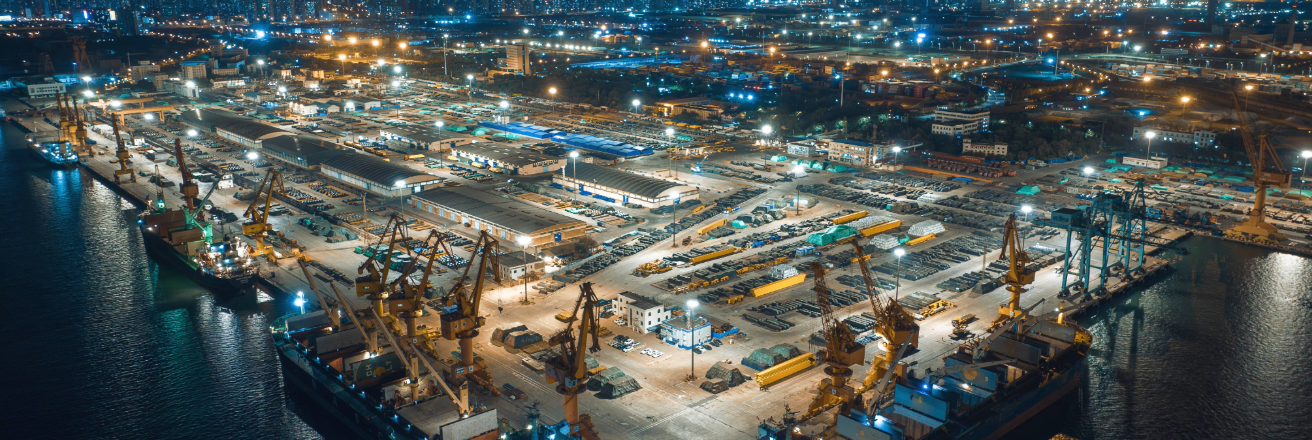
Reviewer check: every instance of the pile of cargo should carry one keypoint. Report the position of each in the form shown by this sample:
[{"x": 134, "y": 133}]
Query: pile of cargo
[
  {"x": 726, "y": 204},
  {"x": 700, "y": 255},
  {"x": 832, "y": 235},
  {"x": 926, "y": 227},
  {"x": 515, "y": 336},
  {"x": 858, "y": 197},
  {"x": 773, "y": 323},
  {"x": 784, "y": 369},
  {"x": 885, "y": 242},
  {"x": 969, "y": 165},
  {"x": 763, "y": 358}
]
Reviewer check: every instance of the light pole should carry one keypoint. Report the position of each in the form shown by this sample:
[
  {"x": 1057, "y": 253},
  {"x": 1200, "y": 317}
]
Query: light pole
[
  {"x": 524, "y": 241},
  {"x": 1025, "y": 209},
  {"x": 798, "y": 172},
  {"x": 445, "y": 72},
  {"x": 574, "y": 155},
  {"x": 1150, "y": 135},
  {"x": 441, "y": 161},
  {"x": 692, "y": 337},
  {"x": 637, "y": 106},
  {"x": 1306, "y": 155},
  {"x": 896, "y": 150},
  {"x": 897, "y": 288},
  {"x": 1088, "y": 174},
  {"x": 552, "y": 92},
  {"x": 766, "y": 130},
  {"x": 504, "y": 105}
]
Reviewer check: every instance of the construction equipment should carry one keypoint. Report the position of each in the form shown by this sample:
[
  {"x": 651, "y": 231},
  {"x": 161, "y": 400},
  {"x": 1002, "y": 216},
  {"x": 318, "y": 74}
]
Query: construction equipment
[
  {"x": 328, "y": 309},
  {"x": 72, "y": 127},
  {"x": 1268, "y": 171},
  {"x": 406, "y": 298},
  {"x": 893, "y": 323},
  {"x": 374, "y": 270},
  {"x": 1018, "y": 274},
  {"x": 570, "y": 367},
  {"x": 840, "y": 354},
  {"x": 190, "y": 190},
  {"x": 121, "y": 151},
  {"x": 258, "y": 227},
  {"x": 411, "y": 363},
  {"x": 460, "y": 318}
]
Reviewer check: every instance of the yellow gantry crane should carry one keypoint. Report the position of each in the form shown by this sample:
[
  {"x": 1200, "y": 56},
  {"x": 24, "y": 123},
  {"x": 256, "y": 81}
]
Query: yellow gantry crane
[
  {"x": 460, "y": 318},
  {"x": 570, "y": 367},
  {"x": 258, "y": 227},
  {"x": 1018, "y": 274},
  {"x": 897, "y": 328},
  {"x": 841, "y": 353},
  {"x": 1268, "y": 171},
  {"x": 121, "y": 151}
]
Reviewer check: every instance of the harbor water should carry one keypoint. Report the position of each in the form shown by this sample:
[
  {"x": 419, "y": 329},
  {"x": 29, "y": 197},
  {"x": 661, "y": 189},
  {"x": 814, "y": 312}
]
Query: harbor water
[{"x": 102, "y": 343}]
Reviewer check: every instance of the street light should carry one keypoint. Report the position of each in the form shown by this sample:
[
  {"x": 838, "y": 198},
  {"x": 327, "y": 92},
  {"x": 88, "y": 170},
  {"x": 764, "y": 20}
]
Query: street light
[
  {"x": 692, "y": 338},
  {"x": 575, "y": 155},
  {"x": 504, "y": 105},
  {"x": 253, "y": 156},
  {"x": 1088, "y": 174},
  {"x": 637, "y": 106},
  {"x": 798, "y": 172},
  {"x": 1306, "y": 154},
  {"x": 896, "y": 150},
  {"x": 766, "y": 130},
  {"x": 524, "y": 241},
  {"x": 191, "y": 133},
  {"x": 1150, "y": 135},
  {"x": 897, "y": 288}
]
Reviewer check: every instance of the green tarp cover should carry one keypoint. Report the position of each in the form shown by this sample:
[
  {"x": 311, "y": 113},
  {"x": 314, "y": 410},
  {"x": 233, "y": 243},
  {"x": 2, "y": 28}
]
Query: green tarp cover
[{"x": 1029, "y": 190}]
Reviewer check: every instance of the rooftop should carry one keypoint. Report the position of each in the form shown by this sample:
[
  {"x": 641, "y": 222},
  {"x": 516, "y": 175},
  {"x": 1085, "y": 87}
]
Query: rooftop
[
  {"x": 420, "y": 133},
  {"x": 621, "y": 180},
  {"x": 376, "y": 170},
  {"x": 312, "y": 150},
  {"x": 517, "y": 259},
  {"x": 519, "y": 217},
  {"x": 503, "y": 153},
  {"x": 639, "y": 301}
]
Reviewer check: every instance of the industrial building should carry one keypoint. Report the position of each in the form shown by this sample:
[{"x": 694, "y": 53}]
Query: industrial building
[
  {"x": 643, "y": 314},
  {"x": 301, "y": 151},
  {"x": 619, "y": 186},
  {"x": 505, "y": 219},
  {"x": 865, "y": 154},
  {"x": 985, "y": 148},
  {"x": 517, "y": 59},
  {"x": 1154, "y": 163},
  {"x": 686, "y": 332},
  {"x": 956, "y": 123},
  {"x": 376, "y": 176},
  {"x": 506, "y": 159},
  {"x": 423, "y": 137},
  {"x": 1196, "y": 137},
  {"x": 232, "y": 128},
  {"x": 515, "y": 264}
]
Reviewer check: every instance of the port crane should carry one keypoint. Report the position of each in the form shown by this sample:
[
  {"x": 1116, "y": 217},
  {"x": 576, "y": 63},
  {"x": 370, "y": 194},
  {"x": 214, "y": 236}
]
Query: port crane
[
  {"x": 412, "y": 361},
  {"x": 1268, "y": 171},
  {"x": 840, "y": 354},
  {"x": 121, "y": 152},
  {"x": 570, "y": 367},
  {"x": 407, "y": 299},
  {"x": 258, "y": 227},
  {"x": 190, "y": 190},
  {"x": 1018, "y": 274},
  {"x": 893, "y": 324},
  {"x": 374, "y": 270},
  {"x": 327, "y": 307},
  {"x": 460, "y": 318},
  {"x": 72, "y": 127}
]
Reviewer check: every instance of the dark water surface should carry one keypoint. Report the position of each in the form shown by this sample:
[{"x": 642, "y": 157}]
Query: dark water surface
[{"x": 102, "y": 343}]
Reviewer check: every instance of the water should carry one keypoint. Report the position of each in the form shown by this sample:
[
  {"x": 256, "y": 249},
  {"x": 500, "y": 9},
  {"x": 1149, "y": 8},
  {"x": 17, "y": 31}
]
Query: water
[{"x": 103, "y": 343}]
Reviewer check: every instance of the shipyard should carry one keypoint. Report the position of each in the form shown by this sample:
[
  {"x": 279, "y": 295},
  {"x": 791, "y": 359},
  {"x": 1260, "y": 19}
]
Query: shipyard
[{"x": 657, "y": 225}]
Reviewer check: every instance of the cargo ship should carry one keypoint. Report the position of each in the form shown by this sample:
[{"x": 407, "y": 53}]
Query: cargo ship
[
  {"x": 366, "y": 385},
  {"x": 55, "y": 153},
  {"x": 985, "y": 389},
  {"x": 183, "y": 239}
]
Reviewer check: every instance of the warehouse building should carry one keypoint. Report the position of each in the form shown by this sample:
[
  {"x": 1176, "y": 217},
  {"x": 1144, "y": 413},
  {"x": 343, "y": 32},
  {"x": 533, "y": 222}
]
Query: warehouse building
[
  {"x": 685, "y": 332},
  {"x": 642, "y": 313},
  {"x": 232, "y": 128},
  {"x": 306, "y": 152},
  {"x": 424, "y": 137},
  {"x": 505, "y": 219},
  {"x": 515, "y": 264},
  {"x": 619, "y": 186},
  {"x": 506, "y": 159},
  {"x": 377, "y": 176}
]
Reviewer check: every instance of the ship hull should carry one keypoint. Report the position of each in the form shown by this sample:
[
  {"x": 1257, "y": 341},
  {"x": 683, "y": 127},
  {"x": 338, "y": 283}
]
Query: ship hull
[
  {"x": 163, "y": 253},
  {"x": 49, "y": 161},
  {"x": 1018, "y": 409},
  {"x": 361, "y": 416}
]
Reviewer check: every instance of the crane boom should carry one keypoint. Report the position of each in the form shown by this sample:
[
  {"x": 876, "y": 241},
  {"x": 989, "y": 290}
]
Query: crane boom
[
  {"x": 1018, "y": 274},
  {"x": 412, "y": 367},
  {"x": 1268, "y": 171},
  {"x": 372, "y": 341},
  {"x": 570, "y": 368},
  {"x": 323, "y": 301},
  {"x": 893, "y": 323},
  {"x": 258, "y": 226},
  {"x": 841, "y": 353}
]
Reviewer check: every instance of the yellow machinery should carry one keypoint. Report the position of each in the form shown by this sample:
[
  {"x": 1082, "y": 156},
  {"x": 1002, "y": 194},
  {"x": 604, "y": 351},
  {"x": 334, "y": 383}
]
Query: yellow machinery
[
  {"x": 374, "y": 270},
  {"x": 897, "y": 327},
  {"x": 72, "y": 128},
  {"x": 1018, "y": 273},
  {"x": 840, "y": 354},
  {"x": 778, "y": 285},
  {"x": 850, "y": 217},
  {"x": 570, "y": 368},
  {"x": 258, "y": 227},
  {"x": 461, "y": 321},
  {"x": 406, "y": 298},
  {"x": 1267, "y": 172},
  {"x": 121, "y": 152},
  {"x": 784, "y": 370},
  {"x": 190, "y": 190}
]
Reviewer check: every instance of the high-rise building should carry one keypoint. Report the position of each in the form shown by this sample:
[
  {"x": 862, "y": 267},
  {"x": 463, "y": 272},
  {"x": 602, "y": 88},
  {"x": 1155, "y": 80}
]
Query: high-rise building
[
  {"x": 126, "y": 22},
  {"x": 517, "y": 59}
]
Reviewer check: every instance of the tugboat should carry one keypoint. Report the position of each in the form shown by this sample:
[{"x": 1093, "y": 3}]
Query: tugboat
[{"x": 182, "y": 237}]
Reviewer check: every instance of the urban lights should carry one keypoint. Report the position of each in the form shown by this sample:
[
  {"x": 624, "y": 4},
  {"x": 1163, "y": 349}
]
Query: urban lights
[{"x": 1150, "y": 135}]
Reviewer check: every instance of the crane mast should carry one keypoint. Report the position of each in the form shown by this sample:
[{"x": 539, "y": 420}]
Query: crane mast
[
  {"x": 372, "y": 282},
  {"x": 1018, "y": 274},
  {"x": 460, "y": 318},
  {"x": 407, "y": 299},
  {"x": 1268, "y": 171},
  {"x": 258, "y": 227},
  {"x": 893, "y": 324},
  {"x": 841, "y": 353},
  {"x": 121, "y": 152},
  {"x": 570, "y": 367}
]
